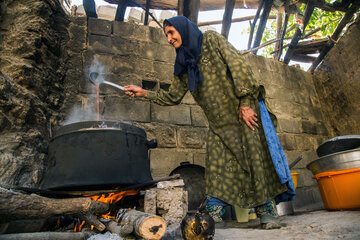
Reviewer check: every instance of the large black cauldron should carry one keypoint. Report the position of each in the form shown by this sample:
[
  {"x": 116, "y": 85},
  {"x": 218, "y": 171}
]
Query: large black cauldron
[{"x": 95, "y": 154}]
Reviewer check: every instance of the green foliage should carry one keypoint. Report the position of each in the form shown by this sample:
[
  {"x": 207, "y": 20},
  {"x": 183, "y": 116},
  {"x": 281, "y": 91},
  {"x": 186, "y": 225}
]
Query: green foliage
[{"x": 326, "y": 21}]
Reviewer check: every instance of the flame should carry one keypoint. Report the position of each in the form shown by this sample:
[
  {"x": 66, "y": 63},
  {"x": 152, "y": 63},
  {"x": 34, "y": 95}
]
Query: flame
[
  {"x": 78, "y": 226},
  {"x": 112, "y": 198}
]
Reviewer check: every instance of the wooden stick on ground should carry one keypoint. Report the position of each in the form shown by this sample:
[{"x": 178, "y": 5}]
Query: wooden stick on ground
[{"x": 47, "y": 236}]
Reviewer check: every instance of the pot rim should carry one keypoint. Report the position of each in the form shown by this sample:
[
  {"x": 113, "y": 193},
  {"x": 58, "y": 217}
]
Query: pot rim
[
  {"x": 339, "y": 163},
  {"x": 89, "y": 126}
]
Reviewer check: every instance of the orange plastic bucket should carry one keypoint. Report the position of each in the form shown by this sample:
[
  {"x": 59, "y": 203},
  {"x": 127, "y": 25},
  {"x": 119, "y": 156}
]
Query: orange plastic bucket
[
  {"x": 340, "y": 190},
  {"x": 294, "y": 177}
]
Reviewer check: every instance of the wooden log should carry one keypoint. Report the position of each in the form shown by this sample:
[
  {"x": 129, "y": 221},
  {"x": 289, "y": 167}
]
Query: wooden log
[
  {"x": 47, "y": 236},
  {"x": 144, "y": 225},
  {"x": 229, "y": 8},
  {"x": 92, "y": 220},
  {"x": 16, "y": 205},
  {"x": 121, "y": 230}
]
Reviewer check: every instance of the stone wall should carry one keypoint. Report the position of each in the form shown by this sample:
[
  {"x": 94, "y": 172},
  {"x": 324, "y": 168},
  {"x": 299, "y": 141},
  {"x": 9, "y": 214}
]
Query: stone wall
[
  {"x": 46, "y": 64},
  {"x": 129, "y": 53},
  {"x": 339, "y": 92},
  {"x": 32, "y": 56}
]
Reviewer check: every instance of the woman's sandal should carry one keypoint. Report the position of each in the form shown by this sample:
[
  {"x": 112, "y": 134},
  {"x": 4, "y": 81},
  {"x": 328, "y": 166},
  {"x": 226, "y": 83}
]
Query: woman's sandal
[{"x": 269, "y": 222}]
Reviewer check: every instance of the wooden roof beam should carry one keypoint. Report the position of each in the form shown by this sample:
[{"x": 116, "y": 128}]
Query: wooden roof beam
[{"x": 234, "y": 20}]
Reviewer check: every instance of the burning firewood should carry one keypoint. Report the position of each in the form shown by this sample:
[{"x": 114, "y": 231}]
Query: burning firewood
[
  {"x": 144, "y": 225},
  {"x": 16, "y": 205}
]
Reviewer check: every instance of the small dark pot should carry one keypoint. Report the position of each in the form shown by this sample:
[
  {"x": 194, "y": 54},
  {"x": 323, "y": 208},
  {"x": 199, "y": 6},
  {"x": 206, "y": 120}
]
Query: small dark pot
[{"x": 197, "y": 226}]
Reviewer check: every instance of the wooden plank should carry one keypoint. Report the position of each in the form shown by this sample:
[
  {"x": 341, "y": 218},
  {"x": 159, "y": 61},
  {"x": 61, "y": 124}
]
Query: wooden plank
[{"x": 226, "y": 24}]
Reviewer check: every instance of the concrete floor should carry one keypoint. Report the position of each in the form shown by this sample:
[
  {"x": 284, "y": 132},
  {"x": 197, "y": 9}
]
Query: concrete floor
[{"x": 314, "y": 225}]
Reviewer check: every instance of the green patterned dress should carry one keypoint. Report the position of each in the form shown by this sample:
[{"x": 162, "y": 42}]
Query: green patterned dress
[{"x": 239, "y": 169}]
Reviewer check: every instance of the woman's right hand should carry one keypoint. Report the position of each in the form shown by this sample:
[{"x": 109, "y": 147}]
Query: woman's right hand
[{"x": 135, "y": 91}]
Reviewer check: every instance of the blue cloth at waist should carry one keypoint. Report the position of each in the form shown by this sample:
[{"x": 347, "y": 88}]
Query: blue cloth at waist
[{"x": 277, "y": 155}]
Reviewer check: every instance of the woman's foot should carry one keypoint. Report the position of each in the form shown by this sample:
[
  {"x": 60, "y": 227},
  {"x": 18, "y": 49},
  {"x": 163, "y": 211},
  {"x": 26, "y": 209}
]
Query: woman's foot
[{"x": 269, "y": 222}]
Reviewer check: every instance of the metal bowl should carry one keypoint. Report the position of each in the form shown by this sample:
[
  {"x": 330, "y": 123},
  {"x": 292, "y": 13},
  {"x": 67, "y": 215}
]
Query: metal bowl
[
  {"x": 338, "y": 144},
  {"x": 337, "y": 161}
]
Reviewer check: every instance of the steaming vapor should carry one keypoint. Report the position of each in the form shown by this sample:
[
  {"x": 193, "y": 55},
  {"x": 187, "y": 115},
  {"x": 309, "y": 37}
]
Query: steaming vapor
[
  {"x": 87, "y": 111},
  {"x": 81, "y": 113}
]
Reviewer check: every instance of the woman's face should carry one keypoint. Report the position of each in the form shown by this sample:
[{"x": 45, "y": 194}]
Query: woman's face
[{"x": 173, "y": 36}]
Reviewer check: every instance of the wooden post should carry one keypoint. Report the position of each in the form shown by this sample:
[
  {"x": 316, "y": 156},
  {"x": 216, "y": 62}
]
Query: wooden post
[
  {"x": 191, "y": 10},
  {"x": 147, "y": 9},
  {"x": 229, "y": 8},
  {"x": 253, "y": 24},
  {"x": 297, "y": 36},
  {"x": 180, "y": 7},
  {"x": 278, "y": 30},
  {"x": 120, "y": 11},
  {"x": 262, "y": 24},
  {"x": 283, "y": 32}
]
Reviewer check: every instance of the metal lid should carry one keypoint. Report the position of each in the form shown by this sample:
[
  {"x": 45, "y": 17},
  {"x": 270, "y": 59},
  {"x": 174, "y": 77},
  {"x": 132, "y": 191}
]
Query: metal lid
[
  {"x": 338, "y": 144},
  {"x": 99, "y": 126}
]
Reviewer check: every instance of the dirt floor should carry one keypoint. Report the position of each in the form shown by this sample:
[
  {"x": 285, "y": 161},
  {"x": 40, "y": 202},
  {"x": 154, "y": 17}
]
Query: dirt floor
[{"x": 314, "y": 225}]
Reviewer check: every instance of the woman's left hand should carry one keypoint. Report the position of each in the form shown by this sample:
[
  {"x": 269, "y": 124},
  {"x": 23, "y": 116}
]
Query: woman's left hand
[{"x": 248, "y": 115}]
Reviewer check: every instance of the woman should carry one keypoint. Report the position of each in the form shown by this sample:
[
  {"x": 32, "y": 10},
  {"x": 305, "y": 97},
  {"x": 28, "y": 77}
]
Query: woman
[{"x": 239, "y": 170}]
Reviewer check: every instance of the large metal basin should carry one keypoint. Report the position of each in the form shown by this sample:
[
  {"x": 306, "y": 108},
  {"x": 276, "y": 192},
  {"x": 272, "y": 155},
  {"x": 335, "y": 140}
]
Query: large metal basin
[{"x": 337, "y": 161}]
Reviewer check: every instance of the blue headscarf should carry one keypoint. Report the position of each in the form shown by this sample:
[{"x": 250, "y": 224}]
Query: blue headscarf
[{"x": 188, "y": 54}]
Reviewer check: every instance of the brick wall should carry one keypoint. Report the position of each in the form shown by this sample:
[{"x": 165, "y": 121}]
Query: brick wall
[{"x": 140, "y": 55}]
